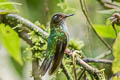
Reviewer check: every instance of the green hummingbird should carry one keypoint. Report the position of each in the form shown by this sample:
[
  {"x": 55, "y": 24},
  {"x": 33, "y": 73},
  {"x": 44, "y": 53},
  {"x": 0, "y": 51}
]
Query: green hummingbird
[{"x": 57, "y": 43}]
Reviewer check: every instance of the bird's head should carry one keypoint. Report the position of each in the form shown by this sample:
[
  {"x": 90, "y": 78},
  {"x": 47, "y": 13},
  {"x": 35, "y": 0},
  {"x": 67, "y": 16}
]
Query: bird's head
[{"x": 59, "y": 17}]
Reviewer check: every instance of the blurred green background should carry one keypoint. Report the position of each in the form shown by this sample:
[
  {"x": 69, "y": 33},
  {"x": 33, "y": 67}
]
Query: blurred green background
[{"x": 42, "y": 10}]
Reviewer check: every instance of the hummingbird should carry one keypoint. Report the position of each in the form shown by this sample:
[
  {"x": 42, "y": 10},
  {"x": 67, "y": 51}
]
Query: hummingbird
[{"x": 57, "y": 43}]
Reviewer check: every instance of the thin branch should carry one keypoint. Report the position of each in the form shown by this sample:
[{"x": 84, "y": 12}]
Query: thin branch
[
  {"x": 92, "y": 77},
  {"x": 90, "y": 69},
  {"x": 86, "y": 66},
  {"x": 90, "y": 23},
  {"x": 87, "y": 60},
  {"x": 74, "y": 64},
  {"x": 81, "y": 75},
  {"x": 66, "y": 71},
  {"x": 109, "y": 5},
  {"x": 85, "y": 77}
]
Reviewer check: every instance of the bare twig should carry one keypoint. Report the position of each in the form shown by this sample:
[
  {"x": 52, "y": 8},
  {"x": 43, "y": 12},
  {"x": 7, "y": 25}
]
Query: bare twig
[
  {"x": 81, "y": 75},
  {"x": 74, "y": 64},
  {"x": 85, "y": 77},
  {"x": 66, "y": 71},
  {"x": 92, "y": 77},
  {"x": 87, "y": 60},
  {"x": 90, "y": 23},
  {"x": 90, "y": 69},
  {"x": 86, "y": 66},
  {"x": 108, "y": 5}
]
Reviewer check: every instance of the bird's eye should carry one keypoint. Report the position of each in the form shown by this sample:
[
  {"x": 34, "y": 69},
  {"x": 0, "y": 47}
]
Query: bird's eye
[{"x": 55, "y": 17}]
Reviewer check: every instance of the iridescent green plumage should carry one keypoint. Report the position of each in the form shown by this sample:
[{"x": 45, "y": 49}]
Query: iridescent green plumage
[{"x": 57, "y": 43}]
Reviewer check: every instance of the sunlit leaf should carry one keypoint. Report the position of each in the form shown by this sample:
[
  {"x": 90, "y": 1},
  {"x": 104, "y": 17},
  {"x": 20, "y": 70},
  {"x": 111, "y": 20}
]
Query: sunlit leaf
[
  {"x": 61, "y": 76},
  {"x": 5, "y": 5},
  {"x": 115, "y": 78},
  {"x": 75, "y": 44},
  {"x": 7, "y": 11},
  {"x": 11, "y": 41},
  {"x": 116, "y": 53},
  {"x": 106, "y": 31},
  {"x": 66, "y": 7}
]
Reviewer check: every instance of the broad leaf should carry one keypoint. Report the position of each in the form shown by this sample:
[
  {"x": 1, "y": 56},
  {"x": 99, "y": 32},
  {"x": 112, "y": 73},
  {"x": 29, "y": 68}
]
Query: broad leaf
[
  {"x": 116, "y": 53},
  {"x": 106, "y": 31},
  {"x": 11, "y": 41},
  {"x": 115, "y": 78},
  {"x": 7, "y": 7},
  {"x": 61, "y": 76}
]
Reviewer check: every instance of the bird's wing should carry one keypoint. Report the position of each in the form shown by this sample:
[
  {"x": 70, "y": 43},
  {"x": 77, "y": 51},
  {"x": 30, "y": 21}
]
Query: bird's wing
[
  {"x": 51, "y": 49},
  {"x": 58, "y": 55},
  {"x": 54, "y": 54}
]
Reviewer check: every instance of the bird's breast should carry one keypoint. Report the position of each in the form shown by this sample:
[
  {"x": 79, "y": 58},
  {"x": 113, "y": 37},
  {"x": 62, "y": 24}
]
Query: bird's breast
[{"x": 60, "y": 31}]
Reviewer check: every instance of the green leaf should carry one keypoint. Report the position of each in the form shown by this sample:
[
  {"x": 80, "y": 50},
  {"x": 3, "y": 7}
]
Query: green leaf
[
  {"x": 8, "y": 6},
  {"x": 11, "y": 41},
  {"x": 61, "y": 76},
  {"x": 6, "y": 3},
  {"x": 106, "y": 31},
  {"x": 116, "y": 54},
  {"x": 75, "y": 44},
  {"x": 115, "y": 78}
]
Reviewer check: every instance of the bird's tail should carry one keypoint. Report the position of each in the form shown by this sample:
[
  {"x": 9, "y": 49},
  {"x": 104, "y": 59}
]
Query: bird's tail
[
  {"x": 51, "y": 64},
  {"x": 45, "y": 65},
  {"x": 56, "y": 63}
]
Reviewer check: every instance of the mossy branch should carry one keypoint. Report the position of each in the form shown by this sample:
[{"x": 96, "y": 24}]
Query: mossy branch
[{"x": 13, "y": 20}]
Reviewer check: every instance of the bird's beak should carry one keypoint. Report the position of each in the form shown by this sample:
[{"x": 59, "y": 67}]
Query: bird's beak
[{"x": 69, "y": 15}]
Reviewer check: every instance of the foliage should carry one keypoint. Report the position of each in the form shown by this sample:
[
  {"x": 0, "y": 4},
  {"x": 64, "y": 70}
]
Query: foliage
[
  {"x": 8, "y": 7},
  {"x": 39, "y": 45},
  {"x": 116, "y": 52},
  {"x": 8, "y": 36},
  {"x": 61, "y": 76},
  {"x": 44, "y": 10},
  {"x": 75, "y": 44},
  {"x": 66, "y": 8},
  {"x": 11, "y": 41},
  {"x": 116, "y": 78},
  {"x": 106, "y": 31}
]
